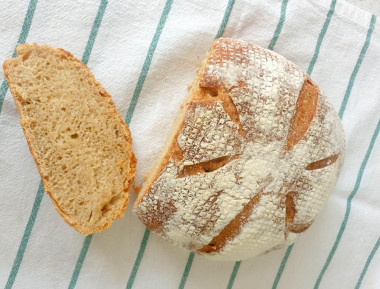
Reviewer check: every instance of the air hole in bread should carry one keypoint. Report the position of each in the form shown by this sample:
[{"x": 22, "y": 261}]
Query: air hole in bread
[
  {"x": 75, "y": 135},
  {"x": 32, "y": 125},
  {"x": 105, "y": 209},
  {"x": 212, "y": 92},
  {"x": 89, "y": 218},
  {"x": 26, "y": 55},
  {"x": 114, "y": 199},
  {"x": 206, "y": 167}
]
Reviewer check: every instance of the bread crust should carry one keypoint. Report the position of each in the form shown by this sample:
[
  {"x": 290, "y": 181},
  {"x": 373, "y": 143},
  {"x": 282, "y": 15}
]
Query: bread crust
[
  {"x": 130, "y": 157},
  {"x": 250, "y": 161}
]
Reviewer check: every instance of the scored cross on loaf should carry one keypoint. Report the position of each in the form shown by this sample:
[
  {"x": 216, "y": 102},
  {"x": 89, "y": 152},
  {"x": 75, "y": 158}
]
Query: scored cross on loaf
[{"x": 250, "y": 161}]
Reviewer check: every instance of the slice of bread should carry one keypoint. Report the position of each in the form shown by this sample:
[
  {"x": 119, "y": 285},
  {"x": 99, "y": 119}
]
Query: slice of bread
[
  {"x": 251, "y": 158},
  {"x": 81, "y": 145}
]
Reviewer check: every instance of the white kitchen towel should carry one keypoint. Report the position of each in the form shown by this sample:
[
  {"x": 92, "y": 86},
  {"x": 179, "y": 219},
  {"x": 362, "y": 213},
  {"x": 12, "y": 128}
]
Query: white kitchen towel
[{"x": 145, "y": 53}]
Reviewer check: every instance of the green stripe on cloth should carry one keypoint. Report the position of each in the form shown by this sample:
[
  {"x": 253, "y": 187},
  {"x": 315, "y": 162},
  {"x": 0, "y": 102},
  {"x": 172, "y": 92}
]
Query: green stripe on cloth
[
  {"x": 321, "y": 36},
  {"x": 25, "y": 237},
  {"x": 357, "y": 66},
  {"x": 281, "y": 21},
  {"x": 343, "y": 105},
  {"x": 186, "y": 271},
  {"x": 369, "y": 259},
  {"x": 226, "y": 17},
  {"x": 233, "y": 275},
  {"x": 94, "y": 31},
  {"x": 348, "y": 207},
  {"x": 128, "y": 117},
  {"x": 271, "y": 45},
  {"x": 282, "y": 266},
  {"x": 139, "y": 257},
  {"x": 40, "y": 191},
  {"x": 148, "y": 61},
  {"x": 21, "y": 39},
  {"x": 78, "y": 265}
]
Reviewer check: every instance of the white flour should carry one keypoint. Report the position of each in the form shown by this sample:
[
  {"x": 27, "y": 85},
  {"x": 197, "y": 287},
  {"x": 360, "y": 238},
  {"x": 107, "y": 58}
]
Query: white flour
[{"x": 264, "y": 88}]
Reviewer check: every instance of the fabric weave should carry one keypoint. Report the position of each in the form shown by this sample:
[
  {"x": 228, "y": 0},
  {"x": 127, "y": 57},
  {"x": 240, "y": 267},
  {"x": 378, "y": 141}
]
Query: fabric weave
[{"x": 39, "y": 250}]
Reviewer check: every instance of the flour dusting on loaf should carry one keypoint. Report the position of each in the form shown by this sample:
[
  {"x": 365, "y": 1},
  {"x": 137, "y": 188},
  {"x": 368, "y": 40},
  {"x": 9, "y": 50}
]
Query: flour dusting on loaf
[{"x": 251, "y": 160}]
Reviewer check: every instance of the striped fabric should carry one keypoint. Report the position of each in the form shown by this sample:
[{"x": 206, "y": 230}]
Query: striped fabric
[{"x": 145, "y": 54}]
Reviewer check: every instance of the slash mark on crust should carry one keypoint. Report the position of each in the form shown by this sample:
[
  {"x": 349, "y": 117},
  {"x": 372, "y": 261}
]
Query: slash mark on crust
[
  {"x": 206, "y": 167},
  {"x": 322, "y": 163},
  {"x": 306, "y": 108},
  {"x": 230, "y": 231},
  {"x": 227, "y": 103},
  {"x": 298, "y": 228},
  {"x": 230, "y": 108},
  {"x": 290, "y": 209}
]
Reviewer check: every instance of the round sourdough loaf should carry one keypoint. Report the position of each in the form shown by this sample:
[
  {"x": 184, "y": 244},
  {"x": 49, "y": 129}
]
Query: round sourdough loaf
[{"x": 250, "y": 161}]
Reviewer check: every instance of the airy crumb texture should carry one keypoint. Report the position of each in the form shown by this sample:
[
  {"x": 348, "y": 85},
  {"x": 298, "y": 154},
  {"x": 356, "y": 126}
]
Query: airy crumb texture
[
  {"x": 250, "y": 161},
  {"x": 81, "y": 145}
]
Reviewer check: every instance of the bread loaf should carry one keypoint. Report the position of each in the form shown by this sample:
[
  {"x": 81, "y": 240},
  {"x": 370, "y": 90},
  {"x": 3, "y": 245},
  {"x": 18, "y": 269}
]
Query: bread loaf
[
  {"x": 81, "y": 145},
  {"x": 250, "y": 161}
]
